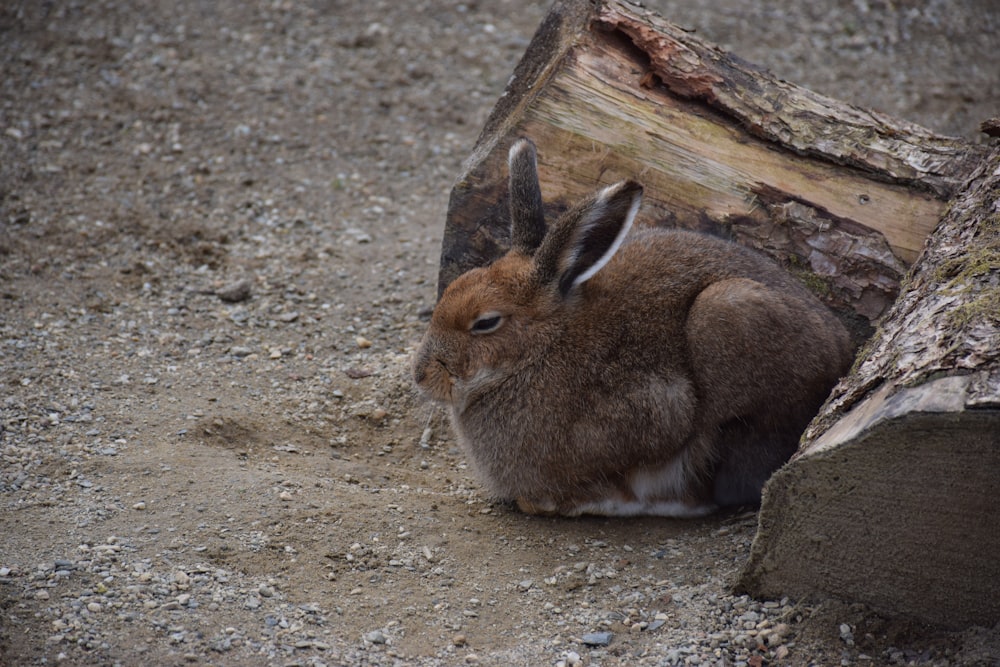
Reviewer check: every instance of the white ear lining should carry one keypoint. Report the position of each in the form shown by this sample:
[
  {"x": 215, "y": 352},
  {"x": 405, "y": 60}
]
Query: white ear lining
[{"x": 594, "y": 215}]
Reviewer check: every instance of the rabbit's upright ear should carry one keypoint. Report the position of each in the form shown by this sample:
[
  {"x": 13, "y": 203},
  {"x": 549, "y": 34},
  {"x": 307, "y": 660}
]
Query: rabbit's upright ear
[
  {"x": 527, "y": 217},
  {"x": 588, "y": 236}
]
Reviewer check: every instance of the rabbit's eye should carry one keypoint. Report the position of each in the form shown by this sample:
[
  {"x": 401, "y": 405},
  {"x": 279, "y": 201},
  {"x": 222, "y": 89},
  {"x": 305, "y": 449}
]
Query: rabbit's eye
[{"x": 487, "y": 323}]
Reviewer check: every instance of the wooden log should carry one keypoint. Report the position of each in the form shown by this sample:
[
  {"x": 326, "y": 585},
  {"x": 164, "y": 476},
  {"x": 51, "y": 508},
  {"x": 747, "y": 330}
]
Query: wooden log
[
  {"x": 894, "y": 496},
  {"x": 842, "y": 196}
]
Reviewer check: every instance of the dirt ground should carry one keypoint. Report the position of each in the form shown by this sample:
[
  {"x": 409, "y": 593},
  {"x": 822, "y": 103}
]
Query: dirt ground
[{"x": 219, "y": 233}]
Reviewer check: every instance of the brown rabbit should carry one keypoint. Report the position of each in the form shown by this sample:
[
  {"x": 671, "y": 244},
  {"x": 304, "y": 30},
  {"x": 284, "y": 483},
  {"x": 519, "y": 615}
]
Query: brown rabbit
[{"x": 593, "y": 371}]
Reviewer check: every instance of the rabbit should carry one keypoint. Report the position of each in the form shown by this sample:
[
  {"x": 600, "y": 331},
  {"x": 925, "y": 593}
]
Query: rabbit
[{"x": 601, "y": 371}]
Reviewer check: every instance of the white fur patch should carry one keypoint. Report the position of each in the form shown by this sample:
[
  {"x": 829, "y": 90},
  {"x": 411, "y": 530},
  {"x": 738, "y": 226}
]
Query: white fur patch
[
  {"x": 655, "y": 492},
  {"x": 625, "y": 508}
]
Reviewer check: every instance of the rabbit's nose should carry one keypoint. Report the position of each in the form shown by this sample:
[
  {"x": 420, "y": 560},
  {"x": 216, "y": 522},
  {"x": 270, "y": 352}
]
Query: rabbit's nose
[{"x": 420, "y": 364}]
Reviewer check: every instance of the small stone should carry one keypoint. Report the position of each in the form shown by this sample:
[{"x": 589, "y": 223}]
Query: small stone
[
  {"x": 42, "y": 595},
  {"x": 265, "y": 591},
  {"x": 778, "y": 634},
  {"x": 141, "y": 505},
  {"x": 781, "y": 652},
  {"x": 472, "y": 659},
  {"x": 235, "y": 292},
  {"x": 363, "y": 342},
  {"x": 375, "y": 637},
  {"x": 459, "y": 640},
  {"x": 846, "y": 635},
  {"x": 94, "y": 607},
  {"x": 526, "y": 584},
  {"x": 597, "y": 638},
  {"x": 240, "y": 351},
  {"x": 285, "y": 495}
]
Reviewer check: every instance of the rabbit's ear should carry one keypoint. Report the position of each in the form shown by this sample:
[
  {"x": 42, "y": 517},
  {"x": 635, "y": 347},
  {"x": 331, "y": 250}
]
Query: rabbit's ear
[
  {"x": 527, "y": 218},
  {"x": 587, "y": 237}
]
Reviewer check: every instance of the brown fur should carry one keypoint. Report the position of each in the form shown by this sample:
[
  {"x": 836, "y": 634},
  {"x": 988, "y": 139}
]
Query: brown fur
[{"x": 683, "y": 350}]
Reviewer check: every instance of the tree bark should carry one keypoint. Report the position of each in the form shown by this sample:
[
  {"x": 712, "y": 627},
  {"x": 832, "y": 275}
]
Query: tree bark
[
  {"x": 893, "y": 497},
  {"x": 842, "y": 196}
]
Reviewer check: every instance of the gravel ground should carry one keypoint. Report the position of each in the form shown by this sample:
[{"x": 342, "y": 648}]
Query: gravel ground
[{"x": 219, "y": 229}]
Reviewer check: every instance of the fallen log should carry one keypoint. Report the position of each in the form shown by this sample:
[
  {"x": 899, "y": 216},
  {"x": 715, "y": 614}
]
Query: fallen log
[
  {"x": 840, "y": 195},
  {"x": 893, "y": 496}
]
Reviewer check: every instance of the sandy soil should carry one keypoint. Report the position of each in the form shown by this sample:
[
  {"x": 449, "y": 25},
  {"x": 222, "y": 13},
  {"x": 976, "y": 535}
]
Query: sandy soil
[{"x": 219, "y": 229}]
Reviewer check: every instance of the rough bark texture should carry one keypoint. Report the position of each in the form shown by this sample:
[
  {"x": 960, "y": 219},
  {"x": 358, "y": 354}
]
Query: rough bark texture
[
  {"x": 892, "y": 498},
  {"x": 840, "y": 195}
]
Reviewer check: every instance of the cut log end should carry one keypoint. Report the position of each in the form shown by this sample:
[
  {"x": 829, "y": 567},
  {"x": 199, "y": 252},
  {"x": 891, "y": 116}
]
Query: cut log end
[{"x": 902, "y": 516}]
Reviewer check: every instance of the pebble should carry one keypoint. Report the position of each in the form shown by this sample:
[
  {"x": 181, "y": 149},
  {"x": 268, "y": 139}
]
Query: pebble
[
  {"x": 235, "y": 292},
  {"x": 572, "y": 659},
  {"x": 376, "y": 637},
  {"x": 363, "y": 342},
  {"x": 597, "y": 638},
  {"x": 846, "y": 634}
]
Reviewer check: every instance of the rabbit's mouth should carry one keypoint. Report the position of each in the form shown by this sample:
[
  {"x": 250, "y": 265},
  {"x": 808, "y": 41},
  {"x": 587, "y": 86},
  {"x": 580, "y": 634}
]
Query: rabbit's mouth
[
  {"x": 436, "y": 381},
  {"x": 440, "y": 384}
]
